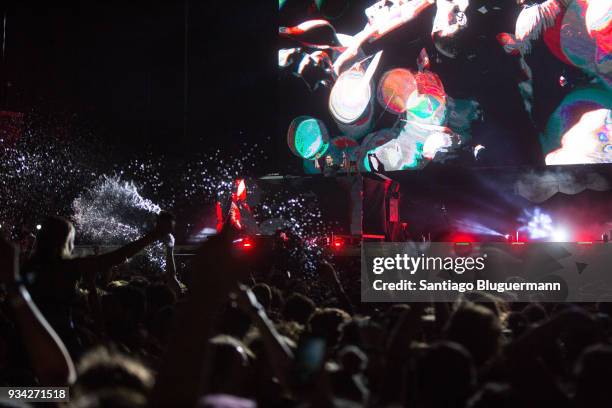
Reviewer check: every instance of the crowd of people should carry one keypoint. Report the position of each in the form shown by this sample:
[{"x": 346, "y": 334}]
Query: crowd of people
[{"x": 231, "y": 338}]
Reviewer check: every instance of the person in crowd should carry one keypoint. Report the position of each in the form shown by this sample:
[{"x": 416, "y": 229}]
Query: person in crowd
[
  {"x": 298, "y": 308},
  {"x": 328, "y": 167},
  {"x": 48, "y": 359},
  {"x": 53, "y": 272}
]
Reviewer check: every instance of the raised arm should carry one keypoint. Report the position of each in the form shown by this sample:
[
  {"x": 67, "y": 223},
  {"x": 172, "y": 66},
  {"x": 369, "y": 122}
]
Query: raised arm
[
  {"x": 181, "y": 374},
  {"x": 329, "y": 275},
  {"x": 49, "y": 357},
  {"x": 171, "y": 279},
  {"x": 165, "y": 225},
  {"x": 281, "y": 357},
  {"x": 399, "y": 349}
]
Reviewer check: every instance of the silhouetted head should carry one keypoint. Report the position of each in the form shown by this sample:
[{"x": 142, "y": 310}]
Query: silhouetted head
[
  {"x": 392, "y": 315},
  {"x": 263, "y": 294},
  {"x": 535, "y": 313},
  {"x": 477, "y": 329},
  {"x": 594, "y": 377},
  {"x": 298, "y": 308},
  {"x": 364, "y": 333},
  {"x": 55, "y": 240},
  {"x": 491, "y": 302},
  {"x": 229, "y": 365},
  {"x": 110, "y": 399},
  {"x": 234, "y": 322},
  {"x": 446, "y": 376},
  {"x": 517, "y": 323},
  {"x": 102, "y": 370},
  {"x": 326, "y": 323}
]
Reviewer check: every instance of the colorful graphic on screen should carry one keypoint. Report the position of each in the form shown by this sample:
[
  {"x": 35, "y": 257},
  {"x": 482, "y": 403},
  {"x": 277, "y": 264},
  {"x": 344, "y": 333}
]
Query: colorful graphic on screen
[{"x": 398, "y": 84}]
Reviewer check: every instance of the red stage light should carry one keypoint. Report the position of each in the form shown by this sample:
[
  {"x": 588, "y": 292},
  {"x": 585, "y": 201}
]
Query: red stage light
[
  {"x": 337, "y": 243},
  {"x": 584, "y": 237},
  {"x": 461, "y": 238},
  {"x": 463, "y": 246},
  {"x": 245, "y": 243}
]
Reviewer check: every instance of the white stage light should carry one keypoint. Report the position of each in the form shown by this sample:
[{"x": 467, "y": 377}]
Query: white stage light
[{"x": 560, "y": 235}]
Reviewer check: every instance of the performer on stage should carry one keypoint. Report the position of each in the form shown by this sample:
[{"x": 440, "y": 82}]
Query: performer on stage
[
  {"x": 238, "y": 212},
  {"x": 329, "y": 168}
]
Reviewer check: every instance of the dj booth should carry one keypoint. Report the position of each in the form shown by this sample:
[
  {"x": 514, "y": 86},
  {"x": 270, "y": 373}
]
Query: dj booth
[{"x": 358, "y": 205}]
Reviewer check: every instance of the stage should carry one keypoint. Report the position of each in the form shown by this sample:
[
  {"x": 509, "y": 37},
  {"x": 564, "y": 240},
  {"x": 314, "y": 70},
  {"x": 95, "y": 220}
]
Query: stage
[{"x": 447, "y": 203}]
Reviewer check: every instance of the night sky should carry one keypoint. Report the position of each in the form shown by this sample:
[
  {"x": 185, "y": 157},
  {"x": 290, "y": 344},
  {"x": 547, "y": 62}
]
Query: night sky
[{"x": 116, "y": 70}]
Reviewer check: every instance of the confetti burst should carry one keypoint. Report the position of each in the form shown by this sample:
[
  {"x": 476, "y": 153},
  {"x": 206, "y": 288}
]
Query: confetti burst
[
  {"x": 112, "y": 212},
  {"x": 43, "y": 174}
]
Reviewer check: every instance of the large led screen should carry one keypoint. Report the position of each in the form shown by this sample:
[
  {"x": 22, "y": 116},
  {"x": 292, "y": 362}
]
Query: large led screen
[{"x": 397, "y": 84}]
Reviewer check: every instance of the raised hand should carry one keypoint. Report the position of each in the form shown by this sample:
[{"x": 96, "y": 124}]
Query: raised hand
[
  {"x": 328, "y": 274},
  {"x": 169, "y": 241},
  {"x": 247, "y": 301},
  {"x": 216, "y": 269},
  {"x": 278, "y": 352}
]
